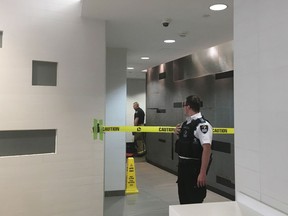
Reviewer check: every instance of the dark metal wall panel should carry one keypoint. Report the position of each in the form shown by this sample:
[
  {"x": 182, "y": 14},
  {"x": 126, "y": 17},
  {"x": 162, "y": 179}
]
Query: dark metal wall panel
[{"x": 216, "y": 92}]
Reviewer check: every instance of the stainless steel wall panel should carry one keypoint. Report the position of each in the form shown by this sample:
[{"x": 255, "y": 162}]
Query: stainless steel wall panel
[
  {"x": 216, "y": 59},
  {"x": 209, "y": 74}
]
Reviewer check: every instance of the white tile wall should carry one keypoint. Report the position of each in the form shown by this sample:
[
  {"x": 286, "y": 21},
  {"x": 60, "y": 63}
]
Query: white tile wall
[
  {"x": 115, "y": 145},
  {"x": 260, "y": 103},
  {"x": 70, "y": 182}
]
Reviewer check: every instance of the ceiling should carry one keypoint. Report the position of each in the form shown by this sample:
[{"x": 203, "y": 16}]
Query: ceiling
[{"x": 137, "y": 26}]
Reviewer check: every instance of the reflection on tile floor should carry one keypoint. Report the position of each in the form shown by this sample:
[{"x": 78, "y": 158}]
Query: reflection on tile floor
[{"x": 157, "y": 190}]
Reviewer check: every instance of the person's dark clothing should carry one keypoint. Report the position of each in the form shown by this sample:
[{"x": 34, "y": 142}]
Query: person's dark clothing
[
  {"x": 188, "y": 191},
  {"x": 188, "y": 145},
  {"x": 189, "y": 149},
  {"x": 140, "y": 114},
  {"x": 139, "y": 139}
]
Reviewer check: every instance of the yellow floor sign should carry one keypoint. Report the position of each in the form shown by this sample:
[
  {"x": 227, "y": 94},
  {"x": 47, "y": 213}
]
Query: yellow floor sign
[{"x": 131, "y": 187}]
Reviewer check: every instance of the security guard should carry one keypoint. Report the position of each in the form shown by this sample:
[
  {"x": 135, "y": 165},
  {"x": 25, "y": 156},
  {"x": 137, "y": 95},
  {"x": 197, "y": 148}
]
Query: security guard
[{"x": 194, "y": 151}]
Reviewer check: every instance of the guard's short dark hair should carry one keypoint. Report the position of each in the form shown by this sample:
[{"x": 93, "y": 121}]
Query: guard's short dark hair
[{"x": 194, "y": 102}]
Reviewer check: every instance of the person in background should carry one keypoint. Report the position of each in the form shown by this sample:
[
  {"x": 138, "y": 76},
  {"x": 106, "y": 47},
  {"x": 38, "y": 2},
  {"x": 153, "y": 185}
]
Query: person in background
[
  {"x": 194, "y": 150},
  {"x": 139, "y": 141}
]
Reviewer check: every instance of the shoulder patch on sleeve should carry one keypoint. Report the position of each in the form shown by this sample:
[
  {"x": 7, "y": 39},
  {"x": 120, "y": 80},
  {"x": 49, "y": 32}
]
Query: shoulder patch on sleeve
[{"x": 204, "y": 128}]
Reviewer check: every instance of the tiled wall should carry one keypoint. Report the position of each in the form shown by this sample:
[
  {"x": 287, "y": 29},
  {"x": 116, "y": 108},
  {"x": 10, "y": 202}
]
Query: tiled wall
[
  {"x": 115, "y": 114},
  {"x": 260, "y": 101},
  {"x": 70, "y": 181}
]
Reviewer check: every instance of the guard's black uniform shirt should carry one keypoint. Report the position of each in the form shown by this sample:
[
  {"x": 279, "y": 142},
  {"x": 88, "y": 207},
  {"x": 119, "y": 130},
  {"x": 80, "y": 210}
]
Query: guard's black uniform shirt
[{"x": 140, "y": 114}]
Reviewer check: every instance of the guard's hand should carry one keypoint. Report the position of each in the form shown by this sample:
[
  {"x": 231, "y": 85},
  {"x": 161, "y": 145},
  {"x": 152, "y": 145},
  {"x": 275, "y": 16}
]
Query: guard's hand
[
  {"x": 177, "y": 129},
  {"x": 201, "y": 180}
]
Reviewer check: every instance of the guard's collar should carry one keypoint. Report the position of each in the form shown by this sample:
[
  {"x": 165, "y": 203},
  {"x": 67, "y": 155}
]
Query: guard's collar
[{"x": 193, "y": 117}]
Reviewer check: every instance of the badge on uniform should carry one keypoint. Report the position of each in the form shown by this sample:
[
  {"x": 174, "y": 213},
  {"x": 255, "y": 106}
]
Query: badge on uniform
[
  {"x": 204, "y": 128},
  {"x": 185, "y": 134}
]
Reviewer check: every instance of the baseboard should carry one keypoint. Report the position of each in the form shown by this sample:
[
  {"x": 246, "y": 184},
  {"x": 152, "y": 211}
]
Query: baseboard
[{"x": 114, "y": 193}]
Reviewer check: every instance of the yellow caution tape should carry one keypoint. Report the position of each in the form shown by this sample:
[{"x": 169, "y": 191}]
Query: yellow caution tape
[
  {"x": 223, "y": 130},
  {"x": 98, "y": 128},
  {"x": 157, "y": 129},
  {"x": 144, "y": 129}
]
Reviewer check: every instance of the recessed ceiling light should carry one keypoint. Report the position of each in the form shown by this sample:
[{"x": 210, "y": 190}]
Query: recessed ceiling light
[
  {"x": 169, "y": 41},
  {"x": 218, "y": 7},
  {"x": 130, "y": 68},
  {"x": 145, "y": 70},
  {"x": 145, "y": 58}
]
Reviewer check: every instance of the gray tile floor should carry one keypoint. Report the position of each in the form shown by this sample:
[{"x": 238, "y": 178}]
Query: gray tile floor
[{"x": 157, "y": 190}]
